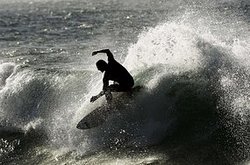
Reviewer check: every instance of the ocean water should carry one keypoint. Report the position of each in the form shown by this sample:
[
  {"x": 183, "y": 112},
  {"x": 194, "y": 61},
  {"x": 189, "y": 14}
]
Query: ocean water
[{"x": 191, "y": 56}]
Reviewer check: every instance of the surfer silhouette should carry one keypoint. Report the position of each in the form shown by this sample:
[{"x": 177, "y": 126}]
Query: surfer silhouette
[{"x": 114, "y": 71}]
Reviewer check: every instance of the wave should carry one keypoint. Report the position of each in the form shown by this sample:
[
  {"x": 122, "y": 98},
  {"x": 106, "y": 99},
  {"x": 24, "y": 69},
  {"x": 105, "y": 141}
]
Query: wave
[
  {"x": 199, "y": 97},
  {"x": 194, "y": 97}
]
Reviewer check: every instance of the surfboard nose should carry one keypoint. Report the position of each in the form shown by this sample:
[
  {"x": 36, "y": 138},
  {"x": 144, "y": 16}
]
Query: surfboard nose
[{"x": 83, "y": 125}]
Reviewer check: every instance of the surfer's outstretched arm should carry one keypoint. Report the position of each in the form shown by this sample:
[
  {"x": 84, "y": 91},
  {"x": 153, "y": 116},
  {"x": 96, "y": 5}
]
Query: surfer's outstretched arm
[
  {"x": 94, "y": 98},
  {"x": 107, "y": 51},
  {"x": 105, "y": 86}
]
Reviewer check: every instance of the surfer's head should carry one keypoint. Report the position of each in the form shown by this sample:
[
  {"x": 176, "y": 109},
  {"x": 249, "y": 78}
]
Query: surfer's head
[{"x": 101, "y": 65}]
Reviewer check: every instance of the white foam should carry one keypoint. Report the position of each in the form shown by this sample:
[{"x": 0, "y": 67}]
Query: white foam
[
  {"x": 241, "y": 50},
  {"x": 169, "y": 44},
  {"x": 32, "y": 124}
]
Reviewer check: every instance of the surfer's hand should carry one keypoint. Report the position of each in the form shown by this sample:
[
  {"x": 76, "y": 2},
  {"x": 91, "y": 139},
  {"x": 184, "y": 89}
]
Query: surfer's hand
[
  {"x": 94, "y": 53},
  {"x": 93, "y": 98}
]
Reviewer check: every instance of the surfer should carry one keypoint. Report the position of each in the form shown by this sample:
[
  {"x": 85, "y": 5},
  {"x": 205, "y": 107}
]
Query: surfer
[{"x": 123, "y": 81}]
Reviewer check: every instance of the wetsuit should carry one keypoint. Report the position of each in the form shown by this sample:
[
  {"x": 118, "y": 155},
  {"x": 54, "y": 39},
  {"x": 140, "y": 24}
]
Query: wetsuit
[{"x": 117, "y": 73}]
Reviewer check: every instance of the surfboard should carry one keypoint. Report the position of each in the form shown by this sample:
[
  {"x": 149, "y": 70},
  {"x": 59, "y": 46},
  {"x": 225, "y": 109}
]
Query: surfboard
[{"x": 101, "y": 114}]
